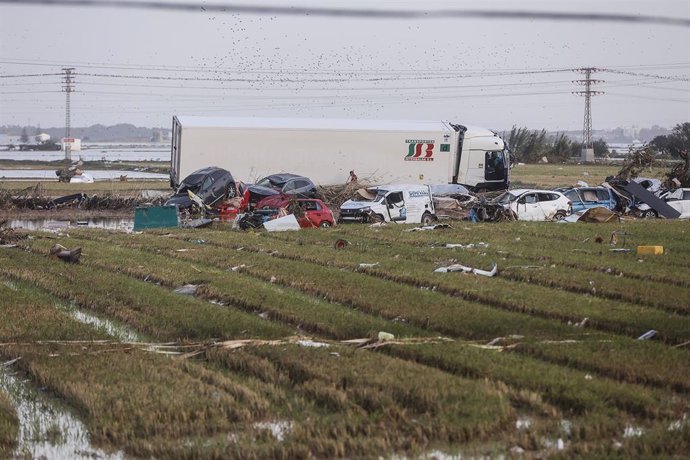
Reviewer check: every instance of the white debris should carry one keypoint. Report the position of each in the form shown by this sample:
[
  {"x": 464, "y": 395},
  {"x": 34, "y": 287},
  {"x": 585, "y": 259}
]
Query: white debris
[
  {"x": 368, "y": 265},
  {"x": 312, "y": 344},
  {"x": 632, "y": 431},
  {"x": 278, "y": 429},
  {"x": 187, "y": 289},
  {"x": 466, "y": 269}
]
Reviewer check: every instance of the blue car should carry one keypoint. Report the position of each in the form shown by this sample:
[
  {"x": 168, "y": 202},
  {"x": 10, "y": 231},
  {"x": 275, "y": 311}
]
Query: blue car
[{"x": 590, "y": 197}]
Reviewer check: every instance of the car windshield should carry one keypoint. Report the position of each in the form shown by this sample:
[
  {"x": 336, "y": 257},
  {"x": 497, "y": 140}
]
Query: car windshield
[
  {"x": 506, "y": 198},
  {"x": 192, "y": 182},
  {"x": 380, "y": 194},
  {"x": 265, "y": 182}
]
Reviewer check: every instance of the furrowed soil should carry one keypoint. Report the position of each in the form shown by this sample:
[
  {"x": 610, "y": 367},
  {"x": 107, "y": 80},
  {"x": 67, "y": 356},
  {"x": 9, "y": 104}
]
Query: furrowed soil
[{"x": 215, "y": 343}]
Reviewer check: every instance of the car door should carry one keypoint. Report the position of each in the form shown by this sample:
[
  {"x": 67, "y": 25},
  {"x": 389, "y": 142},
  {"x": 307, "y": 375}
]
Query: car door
[
  {"x": 576, "y": 199},
  {"x": 218, "y": 188},
  {"x": 395, "y": 205},
  {"x": 528, "y": 208},
  {"x": 548, "y": 202}
]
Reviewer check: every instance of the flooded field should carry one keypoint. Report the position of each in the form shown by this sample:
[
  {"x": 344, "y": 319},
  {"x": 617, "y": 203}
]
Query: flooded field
[
  {"x": 106, "y": 152},
  {"x": 212, "y": 343},
  {"x": 98, "y": 175},
  {"x": 106, "y": 223}
]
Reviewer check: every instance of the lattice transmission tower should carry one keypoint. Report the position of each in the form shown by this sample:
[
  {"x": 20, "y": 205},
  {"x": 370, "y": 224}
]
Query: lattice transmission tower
[
  {"x": 587, "y": 144},
  {"x": 67, "y": 88}
]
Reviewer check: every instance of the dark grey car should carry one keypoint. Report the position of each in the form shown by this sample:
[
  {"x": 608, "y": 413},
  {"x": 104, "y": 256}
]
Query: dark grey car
[
  {"x": 285, "y": 183},
  {"x": 211, "y": 184}
]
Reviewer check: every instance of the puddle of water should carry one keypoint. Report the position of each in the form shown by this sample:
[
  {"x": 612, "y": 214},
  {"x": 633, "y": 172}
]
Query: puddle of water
[
  {"x": 46, "y": 430},
  {"x": 108, "y": 223},
  {"x": 117, "y": 331},
  {"x": 49, "y": 174}
]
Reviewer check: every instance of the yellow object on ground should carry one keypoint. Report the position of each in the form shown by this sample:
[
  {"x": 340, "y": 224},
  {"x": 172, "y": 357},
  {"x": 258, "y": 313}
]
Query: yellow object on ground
[{"x": 650, "y": 250}]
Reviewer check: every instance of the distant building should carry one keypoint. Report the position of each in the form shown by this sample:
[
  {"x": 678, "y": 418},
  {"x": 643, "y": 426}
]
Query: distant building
[
  {"x": 42, "y": 138},
  {"x": 73, "y": 143}
]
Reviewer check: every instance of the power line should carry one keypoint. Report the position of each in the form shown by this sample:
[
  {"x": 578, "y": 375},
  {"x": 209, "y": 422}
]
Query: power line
[
  {"x": 30, "y": 75},
  {"x": 647, "y": 75},
  {"x": 362, "y": 13}
]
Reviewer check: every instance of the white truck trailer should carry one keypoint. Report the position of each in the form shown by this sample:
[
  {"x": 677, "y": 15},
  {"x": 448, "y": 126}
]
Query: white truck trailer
[{"x": 326, "y": 150}]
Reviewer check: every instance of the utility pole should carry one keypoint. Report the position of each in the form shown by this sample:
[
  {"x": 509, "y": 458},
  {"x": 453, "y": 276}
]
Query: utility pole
[
  {"x": 587, "y": 144},
  {"x": 67, "y": 88}
]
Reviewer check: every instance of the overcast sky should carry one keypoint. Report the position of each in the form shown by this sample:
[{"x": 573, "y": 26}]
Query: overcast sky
[{"x": 141, "y": 66}]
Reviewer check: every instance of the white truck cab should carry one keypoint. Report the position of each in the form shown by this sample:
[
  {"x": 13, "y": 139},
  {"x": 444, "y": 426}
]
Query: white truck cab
[{"x": 399, "y": 203}]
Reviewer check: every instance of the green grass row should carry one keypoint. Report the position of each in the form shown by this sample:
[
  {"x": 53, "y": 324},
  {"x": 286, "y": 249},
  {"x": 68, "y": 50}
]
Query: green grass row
[
  {"x": 635, "y": 400},
  {"x": 410, "y": 266},
  {"x": 336, "y": 400}
]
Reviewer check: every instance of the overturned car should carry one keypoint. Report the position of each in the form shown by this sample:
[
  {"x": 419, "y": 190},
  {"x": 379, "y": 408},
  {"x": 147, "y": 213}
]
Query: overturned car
[{"x": 211, "y": 185}]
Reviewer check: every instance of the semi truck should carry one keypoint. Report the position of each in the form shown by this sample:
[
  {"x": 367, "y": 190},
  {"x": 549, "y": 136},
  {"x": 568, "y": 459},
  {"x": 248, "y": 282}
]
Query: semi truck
[{"x": 331, "y": 151}]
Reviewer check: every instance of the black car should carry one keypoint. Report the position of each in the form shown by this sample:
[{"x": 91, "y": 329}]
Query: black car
[
  {"x": 288, "y": 184},
  {"x": 211, "y": 184}
]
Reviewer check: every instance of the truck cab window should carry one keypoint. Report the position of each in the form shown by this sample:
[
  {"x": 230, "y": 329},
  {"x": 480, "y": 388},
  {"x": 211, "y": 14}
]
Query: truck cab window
[
  {"x": 494, "y": 168},
  {"x": 395, "y": 199}
]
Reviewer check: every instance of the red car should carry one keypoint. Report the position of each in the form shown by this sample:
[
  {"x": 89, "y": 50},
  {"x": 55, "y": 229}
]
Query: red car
[{"x": 310, "y": 212}]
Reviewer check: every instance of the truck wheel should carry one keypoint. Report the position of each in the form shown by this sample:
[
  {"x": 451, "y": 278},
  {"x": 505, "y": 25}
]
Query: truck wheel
[
  {"x": 648, "y": 214},
  {"x": 427, "y": 219},
  {"x": 325, "y": 224},
  {"x": 560, "y": 215},
  {"x": 375, "y": 218}
]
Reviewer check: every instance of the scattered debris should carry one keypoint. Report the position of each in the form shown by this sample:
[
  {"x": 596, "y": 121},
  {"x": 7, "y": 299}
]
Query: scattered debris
[
  {"x": 632, "y": 432},
  {"x": 385, "y": 336},
  {"x": 466, "y": 269},
  {"x": 8, "y": 236},
  {"x": 187, "y": 289},
  {"x": 282, "y": 224},
  {"x": 312, "y": 344},
  {"x": 646, "y": 196},
  {"x": 197, "y": 223},
  {"x": 368, "y": 265},
  {"x": 67, "y": 255},
  {"x": 650, "y": 334},
  {"x": 650, "y": 250},
  {"x": 467, "y": 246},
  {"x": 596, "y": 215},
  {"x": 428, "y": 227},
  {"x": 341, "y": 244}
]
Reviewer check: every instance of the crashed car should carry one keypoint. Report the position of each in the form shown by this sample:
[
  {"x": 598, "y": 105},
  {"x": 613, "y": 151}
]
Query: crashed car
[
  {"x": 527, "y": 204},
  {"x": 310, "y": 212},
  {"x": 590, "y": 197},
  {"x": 212, "y": 185},
  {"x": 679, "y": 200},
  {"x": 285, "y": 183}
]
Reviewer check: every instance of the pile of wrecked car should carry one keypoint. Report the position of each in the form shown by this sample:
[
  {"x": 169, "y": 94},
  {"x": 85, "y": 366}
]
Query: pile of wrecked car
[{"x": 287, "y": 201}]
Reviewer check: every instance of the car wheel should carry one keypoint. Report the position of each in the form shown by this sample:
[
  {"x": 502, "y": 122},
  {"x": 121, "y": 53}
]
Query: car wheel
[
  {"x": 427, "y": 219},
  {"x": 560, "y": 215},
  {"x": 648, "y": 214},
  {"x": 325, "y": 224}
]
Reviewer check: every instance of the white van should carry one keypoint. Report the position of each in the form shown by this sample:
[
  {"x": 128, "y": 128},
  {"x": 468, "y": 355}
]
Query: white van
[{"x": 399, "y": 203}]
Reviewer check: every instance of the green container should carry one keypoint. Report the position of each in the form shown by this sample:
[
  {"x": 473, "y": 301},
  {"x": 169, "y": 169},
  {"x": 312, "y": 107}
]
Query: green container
[{"x": 156, "y": 217}]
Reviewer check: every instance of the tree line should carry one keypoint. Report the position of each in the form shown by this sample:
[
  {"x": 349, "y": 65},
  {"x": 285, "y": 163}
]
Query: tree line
[{"x": 532, "y": 146}]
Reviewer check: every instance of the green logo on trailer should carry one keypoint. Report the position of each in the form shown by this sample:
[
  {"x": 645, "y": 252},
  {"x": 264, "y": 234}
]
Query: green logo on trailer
[{"x": 420, "y": 150}]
